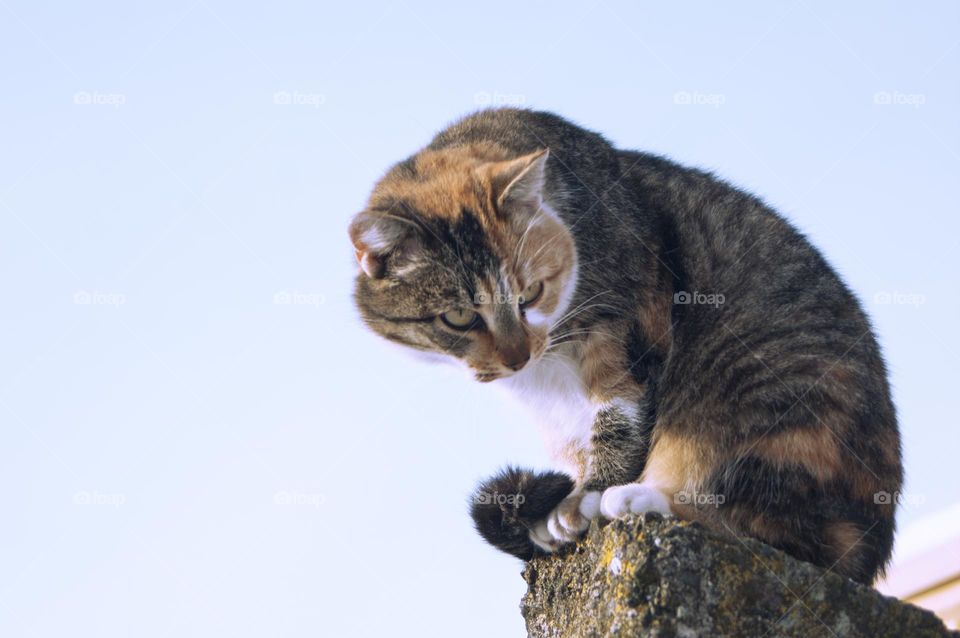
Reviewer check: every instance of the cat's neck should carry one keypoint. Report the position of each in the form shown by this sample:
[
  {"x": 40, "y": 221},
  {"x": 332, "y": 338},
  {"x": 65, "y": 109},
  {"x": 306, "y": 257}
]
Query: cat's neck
[{"x": 552, "y": 389}]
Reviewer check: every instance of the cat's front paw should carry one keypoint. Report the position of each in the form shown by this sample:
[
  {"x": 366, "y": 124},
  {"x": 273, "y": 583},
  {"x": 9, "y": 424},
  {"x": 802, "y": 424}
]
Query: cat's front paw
[
  {"x": 567, "y": 522},
  {"x": 621, "y": 500}
]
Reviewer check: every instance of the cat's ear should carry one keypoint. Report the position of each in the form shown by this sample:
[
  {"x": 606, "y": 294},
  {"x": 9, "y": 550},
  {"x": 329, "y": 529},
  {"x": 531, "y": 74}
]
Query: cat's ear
[
  {"x": 519, "y": 182},
  {"x": 377, "y": 236}
]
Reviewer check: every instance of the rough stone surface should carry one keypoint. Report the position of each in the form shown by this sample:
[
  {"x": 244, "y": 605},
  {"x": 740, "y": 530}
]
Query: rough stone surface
[{"x": 650, "y": 576}]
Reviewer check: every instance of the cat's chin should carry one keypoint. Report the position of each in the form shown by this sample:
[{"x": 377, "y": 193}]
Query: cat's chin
[{"x": 487, "y": 377}]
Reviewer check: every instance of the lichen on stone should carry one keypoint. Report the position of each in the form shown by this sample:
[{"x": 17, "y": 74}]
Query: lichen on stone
[{"x": 651, "y": 576}]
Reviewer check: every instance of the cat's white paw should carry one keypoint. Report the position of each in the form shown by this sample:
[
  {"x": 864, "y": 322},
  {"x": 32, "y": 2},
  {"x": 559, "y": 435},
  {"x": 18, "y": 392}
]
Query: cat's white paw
[
  {"x": 634, "y": 498},
  {"x": 567, "y": 522}
]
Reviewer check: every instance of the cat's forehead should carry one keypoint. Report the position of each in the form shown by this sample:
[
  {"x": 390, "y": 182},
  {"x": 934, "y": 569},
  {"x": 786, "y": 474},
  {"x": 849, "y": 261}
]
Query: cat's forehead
[
  {"x": 453, "y": 212},
  {"x": 438, "y": 193},
  {"x": 439, "y": 182}
]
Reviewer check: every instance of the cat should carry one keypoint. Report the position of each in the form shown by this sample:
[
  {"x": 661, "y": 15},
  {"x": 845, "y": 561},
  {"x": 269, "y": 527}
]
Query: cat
[{"x": 684, "y": 349}]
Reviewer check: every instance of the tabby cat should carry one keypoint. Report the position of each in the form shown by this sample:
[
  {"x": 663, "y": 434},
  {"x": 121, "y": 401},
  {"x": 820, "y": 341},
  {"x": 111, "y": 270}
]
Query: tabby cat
[{"x": 684, "y": 349}]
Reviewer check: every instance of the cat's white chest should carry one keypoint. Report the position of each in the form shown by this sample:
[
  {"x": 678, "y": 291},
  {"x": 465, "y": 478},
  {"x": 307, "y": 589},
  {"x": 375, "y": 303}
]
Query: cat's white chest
[{"x": 552, "y": 390}]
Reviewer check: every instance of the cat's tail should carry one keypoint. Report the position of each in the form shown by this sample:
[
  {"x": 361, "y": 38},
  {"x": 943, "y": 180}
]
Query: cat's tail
[{"x": 505, "y": 507}]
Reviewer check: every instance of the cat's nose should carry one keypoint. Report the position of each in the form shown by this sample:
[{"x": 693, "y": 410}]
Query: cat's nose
[
  {"x": 511, "y": 341},
  {"x": 514, "y": 359}
]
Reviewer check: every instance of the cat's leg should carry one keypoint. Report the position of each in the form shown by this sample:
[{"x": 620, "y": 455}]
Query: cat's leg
[
  {"x": 674, "y": 466},
  {"x": 616, "y": 454}
]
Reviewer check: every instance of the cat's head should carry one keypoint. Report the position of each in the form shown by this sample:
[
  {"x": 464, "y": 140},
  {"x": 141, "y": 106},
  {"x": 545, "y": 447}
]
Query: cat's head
[{"x": 461, "y": 256}]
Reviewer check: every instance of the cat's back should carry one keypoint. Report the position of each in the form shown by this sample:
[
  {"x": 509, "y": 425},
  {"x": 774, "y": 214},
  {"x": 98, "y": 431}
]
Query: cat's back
[
  {"x": 525, "y": 131},
  {"x": 725, "y": 239}
]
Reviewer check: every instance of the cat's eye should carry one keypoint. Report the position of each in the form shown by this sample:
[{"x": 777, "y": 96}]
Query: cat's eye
[
  {"x": 460, "y": 319},
  {"x": 530, "y": 294}
]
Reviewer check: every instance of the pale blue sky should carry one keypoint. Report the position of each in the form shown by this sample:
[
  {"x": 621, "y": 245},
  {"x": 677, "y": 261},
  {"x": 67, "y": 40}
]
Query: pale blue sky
[{"x": 198, "y": 437}]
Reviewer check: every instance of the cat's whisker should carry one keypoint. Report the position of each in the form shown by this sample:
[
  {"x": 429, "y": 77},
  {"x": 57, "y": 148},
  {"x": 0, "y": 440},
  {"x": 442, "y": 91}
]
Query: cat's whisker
[
  {"x": 558, "y": 338},
  {"x": 579, "y": 311},
  {"x": 585, "y": 301},
  {"x": 546, "y": 245},
  {"x": 534, "y": 219}
]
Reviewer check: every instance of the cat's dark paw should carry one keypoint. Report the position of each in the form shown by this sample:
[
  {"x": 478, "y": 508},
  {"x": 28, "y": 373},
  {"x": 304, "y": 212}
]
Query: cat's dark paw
[{"x": 506, "y": 507}]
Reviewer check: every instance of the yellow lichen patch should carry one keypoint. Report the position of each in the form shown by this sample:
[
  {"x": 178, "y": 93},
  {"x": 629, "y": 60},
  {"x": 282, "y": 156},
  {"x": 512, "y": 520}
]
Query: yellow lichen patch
[{"x": 606, "y": 557}]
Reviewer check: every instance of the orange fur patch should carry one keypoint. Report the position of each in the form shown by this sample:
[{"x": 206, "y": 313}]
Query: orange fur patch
[
  {"x": 655, "y": 319},
  {"x": 576, "y": 456},
  {"x": 447, "y": 180},
  {"x": 844, "y": 537},
  {"x": 816, "y": 449},
  {"x": 769, "y": 529},
  {"x": 603, "y": 365},
  {"x": 679, "y": 463}
]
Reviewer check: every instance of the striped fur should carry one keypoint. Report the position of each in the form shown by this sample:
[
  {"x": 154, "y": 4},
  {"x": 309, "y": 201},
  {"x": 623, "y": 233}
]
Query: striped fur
[{"x": 688, "y": 338}]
